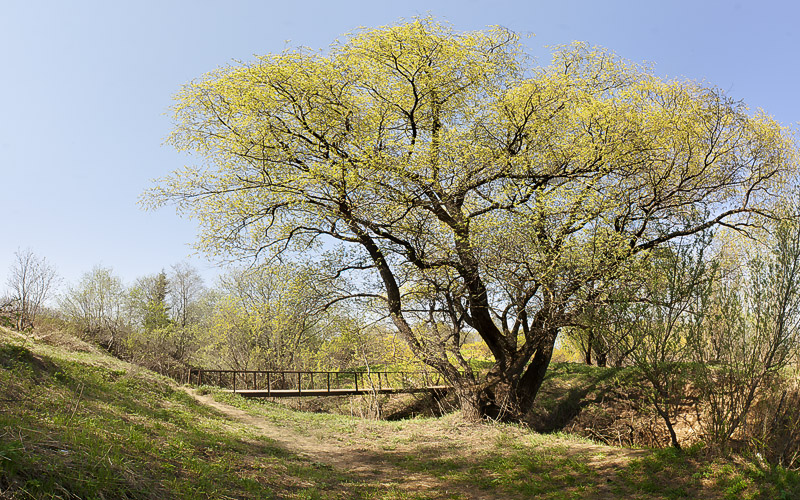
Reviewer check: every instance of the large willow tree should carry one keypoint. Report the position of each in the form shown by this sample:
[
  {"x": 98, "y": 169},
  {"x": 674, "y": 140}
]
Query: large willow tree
[{"x": 470, "y": 193}]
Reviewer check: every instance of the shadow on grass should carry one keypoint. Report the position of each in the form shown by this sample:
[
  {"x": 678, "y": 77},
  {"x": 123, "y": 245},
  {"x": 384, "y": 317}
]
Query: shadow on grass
[
  {"x": 557, "y": 406},
  {"x": 84, "y": 431},
  {"x": 557, "y": 473}
]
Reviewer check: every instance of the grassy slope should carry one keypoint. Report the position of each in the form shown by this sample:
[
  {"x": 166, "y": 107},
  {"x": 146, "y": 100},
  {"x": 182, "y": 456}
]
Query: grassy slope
[
  {"x": 79, "y": 424},
  {"x": 84, "y": 425}
]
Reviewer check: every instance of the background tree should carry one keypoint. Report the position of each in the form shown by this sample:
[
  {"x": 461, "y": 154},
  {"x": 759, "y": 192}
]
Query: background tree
[
  {"x": 156, "y": 308},
  {"x": 470, "y": 192},
  {"x": 30, "y": 282},
  {"x": 152, "y": 343},
  {"x": 751, "y": 330},
  {"x": 97, "y": 308},
  {"x": 349, "y": 342},
  {"x": 7, "y": 316},
  {"x": 185, "y": 296},
  {"x": 662, "y": 325},
  {"x": 265, "y": 318},
  {"x": 185, "y": 289},
  {"x": 149, "y": 300},
  {"x": 600, "y": 325}
]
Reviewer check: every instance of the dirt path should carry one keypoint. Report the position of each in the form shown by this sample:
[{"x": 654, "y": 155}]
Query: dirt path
[{"x": 368, "y": 466}]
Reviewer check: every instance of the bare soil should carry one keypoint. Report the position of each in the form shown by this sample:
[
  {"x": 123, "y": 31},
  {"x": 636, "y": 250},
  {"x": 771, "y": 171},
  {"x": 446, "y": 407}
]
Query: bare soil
[
  {"x": 366, "y": 465},
  {"x": 371, "y": 460}
]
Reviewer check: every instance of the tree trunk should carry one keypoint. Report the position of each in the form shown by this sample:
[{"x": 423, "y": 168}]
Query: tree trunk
[
  {"x": 587, "y": 358},
  {"x": 469, "y": 399},
  {"x": 668, "y": 421},
  {"x": 508, "y": 395},
  {"x": 532, "y": 378}
]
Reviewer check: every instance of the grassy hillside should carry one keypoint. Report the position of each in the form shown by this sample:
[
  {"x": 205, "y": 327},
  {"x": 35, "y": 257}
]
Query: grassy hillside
[
  {"x": 80, "y": 424},
  {"x": 76, "y": 423}
]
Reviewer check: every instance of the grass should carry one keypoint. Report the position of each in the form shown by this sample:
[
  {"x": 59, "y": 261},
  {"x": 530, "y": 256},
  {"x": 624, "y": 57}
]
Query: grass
[
  {"x": 513, "y": 462},
  {"x": 570, "y": 387},
  {"x": 80, "y": 424},
  {"x": 83, "y": 425}
]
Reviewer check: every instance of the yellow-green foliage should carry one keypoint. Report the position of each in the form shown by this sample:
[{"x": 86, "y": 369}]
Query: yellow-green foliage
[
  {"x": 462, "y": 188},
  {"x": 264, "y": 318},
  {"x": 283, "y": 134}
]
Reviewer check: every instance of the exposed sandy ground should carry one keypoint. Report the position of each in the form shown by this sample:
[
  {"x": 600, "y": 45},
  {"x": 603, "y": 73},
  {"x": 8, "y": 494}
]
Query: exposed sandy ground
[
  {"x": 363, "y": 464},
  {"x": 369, "y": 461}
]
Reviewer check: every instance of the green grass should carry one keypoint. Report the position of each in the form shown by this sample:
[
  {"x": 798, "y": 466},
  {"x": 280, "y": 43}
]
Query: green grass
[
  {"x": 513, "y": 462},
  {"x": 570, "y": 387},
  {"x": 85, "y": 425}
]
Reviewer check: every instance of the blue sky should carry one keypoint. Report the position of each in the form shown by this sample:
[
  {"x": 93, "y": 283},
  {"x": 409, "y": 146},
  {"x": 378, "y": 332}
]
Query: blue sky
[{"x": 86, "y": 86}]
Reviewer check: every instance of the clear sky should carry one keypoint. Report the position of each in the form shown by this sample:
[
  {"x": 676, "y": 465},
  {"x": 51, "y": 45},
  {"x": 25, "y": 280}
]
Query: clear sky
[{"x": 86, "y": 86}]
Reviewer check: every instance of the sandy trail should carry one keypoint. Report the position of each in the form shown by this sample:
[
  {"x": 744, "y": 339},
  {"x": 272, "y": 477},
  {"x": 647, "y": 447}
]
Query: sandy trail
[{"x": 367, "y": 466}]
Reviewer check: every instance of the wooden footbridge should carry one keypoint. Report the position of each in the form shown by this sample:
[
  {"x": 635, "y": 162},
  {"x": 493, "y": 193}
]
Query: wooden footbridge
[{"x": 277, "y": 384}]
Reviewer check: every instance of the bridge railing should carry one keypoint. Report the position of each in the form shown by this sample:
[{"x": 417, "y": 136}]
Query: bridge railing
[{"x": 299, "y": 381}]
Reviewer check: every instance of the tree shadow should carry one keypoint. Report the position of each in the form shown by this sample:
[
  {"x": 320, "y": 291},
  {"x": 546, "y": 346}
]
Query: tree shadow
[{"x": 557, "y": 406}]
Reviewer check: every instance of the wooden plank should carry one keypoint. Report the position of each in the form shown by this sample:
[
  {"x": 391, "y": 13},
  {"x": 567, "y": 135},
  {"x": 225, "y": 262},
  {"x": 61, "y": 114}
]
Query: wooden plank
[{"x": 293, "y": 393}]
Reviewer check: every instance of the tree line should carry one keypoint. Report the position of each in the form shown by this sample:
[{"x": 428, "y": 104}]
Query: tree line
[
  {"x": 712, "y": 326},
  {"x": 251, "y": 318}
]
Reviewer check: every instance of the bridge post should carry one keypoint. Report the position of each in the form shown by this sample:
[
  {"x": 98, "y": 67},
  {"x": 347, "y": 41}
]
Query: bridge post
[
  {"x": 355, "y": 377},
  {"x": 269, "y": 385},
  {"x": 299, "y": 383},
  {"x": 329, "y": 381}
]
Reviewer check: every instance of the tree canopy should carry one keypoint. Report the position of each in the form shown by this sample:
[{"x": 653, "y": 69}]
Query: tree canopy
[{"x": 468, "y": 190}]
